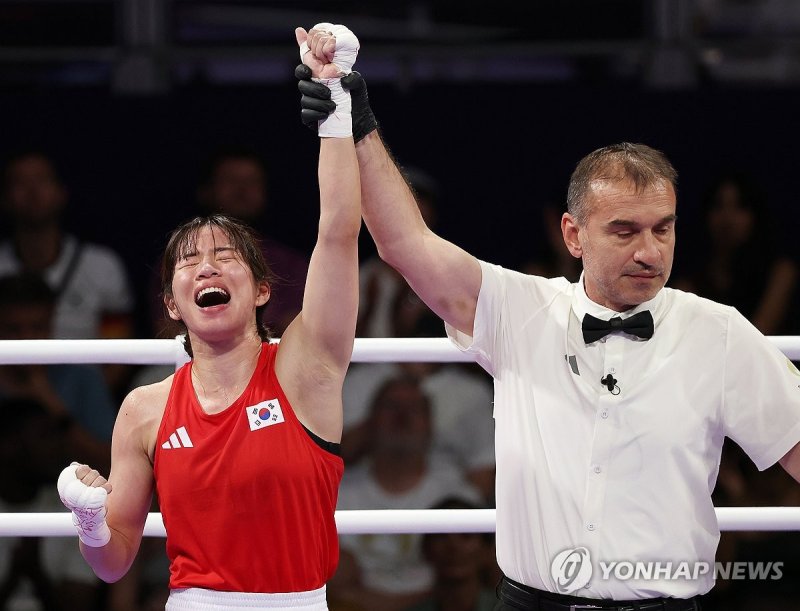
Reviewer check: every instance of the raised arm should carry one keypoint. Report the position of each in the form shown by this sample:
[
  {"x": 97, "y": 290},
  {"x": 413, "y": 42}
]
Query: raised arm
[
  {"x": 316, "y": 348},
  {"x": 330, "y": 302},
  {"x": 446, "y": 277}
]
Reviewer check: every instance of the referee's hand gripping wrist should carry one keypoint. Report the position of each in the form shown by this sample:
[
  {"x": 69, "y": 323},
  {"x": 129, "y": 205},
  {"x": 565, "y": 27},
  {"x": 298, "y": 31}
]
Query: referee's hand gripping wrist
[
  {"x": 363, "y": 119},
  {"x": 316, "y": 103},
  {"x": 84, "y": 492}
]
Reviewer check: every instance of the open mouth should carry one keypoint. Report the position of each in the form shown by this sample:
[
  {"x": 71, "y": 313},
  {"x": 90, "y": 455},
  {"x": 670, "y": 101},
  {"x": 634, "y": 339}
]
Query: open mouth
[{"x": 212, "y": 296}]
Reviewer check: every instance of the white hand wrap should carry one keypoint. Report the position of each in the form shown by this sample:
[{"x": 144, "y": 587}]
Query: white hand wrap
[
  {"x": 88, "y": 507},
  {"x": 339, "y": 123}
]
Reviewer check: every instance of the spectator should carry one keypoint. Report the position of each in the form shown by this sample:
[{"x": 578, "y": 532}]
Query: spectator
[
  {"x": 743, "y": 265},
  {"x": 380, "y": 283},
  {"x": 37, "y": 574},
  {"x": 387, "y": 572},
  {"x": 76, "y": 396},
  {"x": 459, "y": 561},
  {"x": 461, "y": 403},
  {"x": 93, "y": 296}
]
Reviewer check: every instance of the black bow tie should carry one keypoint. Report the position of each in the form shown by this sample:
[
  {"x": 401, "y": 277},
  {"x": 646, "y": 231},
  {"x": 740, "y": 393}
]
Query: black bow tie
[{"x": 640, "y": 324}]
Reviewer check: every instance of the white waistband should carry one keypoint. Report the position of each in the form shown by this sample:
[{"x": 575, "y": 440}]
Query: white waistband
[{"x": 199, "y": 599}]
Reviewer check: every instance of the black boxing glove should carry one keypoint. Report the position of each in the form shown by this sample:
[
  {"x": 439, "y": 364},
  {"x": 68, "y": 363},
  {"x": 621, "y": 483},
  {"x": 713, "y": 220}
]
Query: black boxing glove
[{"x": 316, "y": 103}]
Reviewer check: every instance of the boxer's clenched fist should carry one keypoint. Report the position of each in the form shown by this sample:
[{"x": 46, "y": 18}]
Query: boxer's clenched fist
[{"x": 84, "y": 491}]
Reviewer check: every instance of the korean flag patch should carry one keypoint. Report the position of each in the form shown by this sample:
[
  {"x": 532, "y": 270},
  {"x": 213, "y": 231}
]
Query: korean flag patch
[{"x": 264, "y": 414}]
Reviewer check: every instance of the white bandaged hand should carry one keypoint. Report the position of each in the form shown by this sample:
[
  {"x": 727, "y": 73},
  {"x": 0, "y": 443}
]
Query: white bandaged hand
[
  {"x": 88, "y": 507},
  {"x": 339, "y": 123}
]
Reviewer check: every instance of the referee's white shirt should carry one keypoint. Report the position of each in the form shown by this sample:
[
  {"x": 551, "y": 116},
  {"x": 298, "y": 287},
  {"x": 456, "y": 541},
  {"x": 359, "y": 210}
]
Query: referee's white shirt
[{"x": 629, "y": 475}]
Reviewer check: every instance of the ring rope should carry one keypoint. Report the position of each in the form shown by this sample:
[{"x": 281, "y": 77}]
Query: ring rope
[
  {"x": 170, "y": 351},
  {"x": 396, "y": 521}
]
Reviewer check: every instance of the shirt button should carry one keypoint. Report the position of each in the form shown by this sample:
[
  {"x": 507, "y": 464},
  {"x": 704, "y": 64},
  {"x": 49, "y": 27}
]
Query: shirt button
[
  {"x": 604, "y": 413},
  {"x": 597, "y": 469},
  {"x": 590, "y": 526}
]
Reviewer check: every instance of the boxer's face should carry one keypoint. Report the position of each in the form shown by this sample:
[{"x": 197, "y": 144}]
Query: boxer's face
[
  {"x": 213, "y": 290},
  {"x": 627, "y": 241}
]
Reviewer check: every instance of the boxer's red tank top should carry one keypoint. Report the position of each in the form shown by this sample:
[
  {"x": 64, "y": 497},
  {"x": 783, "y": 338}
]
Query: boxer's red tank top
[{"x": 247, "y": 495}]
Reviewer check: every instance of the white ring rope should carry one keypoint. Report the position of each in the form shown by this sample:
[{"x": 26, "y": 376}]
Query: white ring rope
[
  {"x": 366, "y": 350},
  {"x": 170, "y": 351},
  {"x": 394, "y": 521}
]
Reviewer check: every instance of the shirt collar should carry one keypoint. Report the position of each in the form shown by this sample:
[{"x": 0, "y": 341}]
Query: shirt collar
[{"x": 582, "y": 305}]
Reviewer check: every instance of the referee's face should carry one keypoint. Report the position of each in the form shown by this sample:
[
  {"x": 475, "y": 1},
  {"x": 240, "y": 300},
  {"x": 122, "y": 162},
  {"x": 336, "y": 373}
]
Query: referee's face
[{"x": 627, "y": 242}]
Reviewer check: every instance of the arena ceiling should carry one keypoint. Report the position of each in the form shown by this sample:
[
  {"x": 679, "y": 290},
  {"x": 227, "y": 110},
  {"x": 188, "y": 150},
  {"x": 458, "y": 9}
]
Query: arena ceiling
[{"x": 151, "y": 46}]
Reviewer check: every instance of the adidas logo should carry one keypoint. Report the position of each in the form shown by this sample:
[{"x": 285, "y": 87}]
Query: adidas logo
[{"x": 178, "y": 439}]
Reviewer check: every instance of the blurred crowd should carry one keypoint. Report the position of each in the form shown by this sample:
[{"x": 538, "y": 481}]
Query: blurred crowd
[{"x": 417, "y": 435}]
